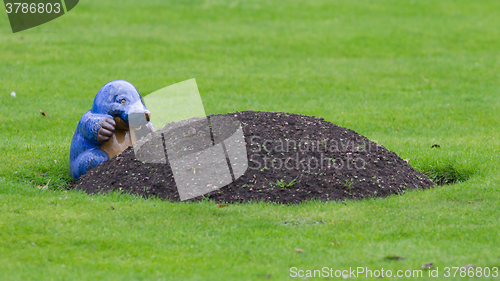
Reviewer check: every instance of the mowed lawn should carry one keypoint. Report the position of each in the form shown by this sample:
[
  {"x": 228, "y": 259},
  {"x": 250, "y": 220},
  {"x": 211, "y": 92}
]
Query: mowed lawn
[{"x": 407, "y": 74}]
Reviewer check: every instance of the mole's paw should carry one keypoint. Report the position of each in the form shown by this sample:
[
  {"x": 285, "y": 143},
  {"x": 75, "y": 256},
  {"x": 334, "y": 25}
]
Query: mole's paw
[{"x": 106, "y": 130}]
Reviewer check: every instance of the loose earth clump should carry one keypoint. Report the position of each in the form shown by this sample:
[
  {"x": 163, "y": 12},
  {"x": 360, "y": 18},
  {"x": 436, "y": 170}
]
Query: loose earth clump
[{"x": 291, "y": 158}]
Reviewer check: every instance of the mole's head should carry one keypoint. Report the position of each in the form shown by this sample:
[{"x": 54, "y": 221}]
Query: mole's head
[{"x": 118, "y": 98}]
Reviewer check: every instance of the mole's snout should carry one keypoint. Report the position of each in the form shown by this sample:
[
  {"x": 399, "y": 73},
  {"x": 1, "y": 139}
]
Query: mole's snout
[{"x": 148, "y": 115}]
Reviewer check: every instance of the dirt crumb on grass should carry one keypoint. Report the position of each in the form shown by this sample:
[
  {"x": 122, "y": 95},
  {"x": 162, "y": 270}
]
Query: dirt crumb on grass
[{"x": 292, "y": 158}]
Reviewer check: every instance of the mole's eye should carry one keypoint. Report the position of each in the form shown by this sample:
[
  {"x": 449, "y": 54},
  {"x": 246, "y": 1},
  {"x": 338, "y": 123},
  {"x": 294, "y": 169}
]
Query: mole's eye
[{"x": 123, "y": 101}]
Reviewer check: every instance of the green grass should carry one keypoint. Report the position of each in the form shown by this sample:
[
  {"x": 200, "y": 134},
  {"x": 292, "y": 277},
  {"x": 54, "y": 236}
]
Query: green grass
[{"x": 408, "y": 74}]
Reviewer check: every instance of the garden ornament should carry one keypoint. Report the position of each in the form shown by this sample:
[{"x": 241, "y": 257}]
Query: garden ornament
[{"x": 103, "y": 132}]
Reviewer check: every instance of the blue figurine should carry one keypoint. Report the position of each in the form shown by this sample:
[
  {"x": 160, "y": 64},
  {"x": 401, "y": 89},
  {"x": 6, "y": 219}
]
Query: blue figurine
[{"x": 103, "y": 131}]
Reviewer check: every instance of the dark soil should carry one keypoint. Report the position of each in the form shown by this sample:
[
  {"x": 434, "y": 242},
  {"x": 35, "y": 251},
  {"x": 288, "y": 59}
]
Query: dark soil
[{"x": 292, "y": 158}]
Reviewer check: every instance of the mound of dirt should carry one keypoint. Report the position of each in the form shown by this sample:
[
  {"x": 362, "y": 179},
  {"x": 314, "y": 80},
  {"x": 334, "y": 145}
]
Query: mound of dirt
[{"x": 291, "y": 158}]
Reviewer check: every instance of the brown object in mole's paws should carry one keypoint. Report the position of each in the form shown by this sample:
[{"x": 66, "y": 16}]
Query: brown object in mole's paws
[
  {"x": 121, "y": 124},
  {"x": 119, "y": 141},
  {"x": 114, "y": 136}
]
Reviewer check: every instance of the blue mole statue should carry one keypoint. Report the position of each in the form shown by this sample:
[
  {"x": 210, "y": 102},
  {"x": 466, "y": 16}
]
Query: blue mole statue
[{"x": 103, "y": 131}]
